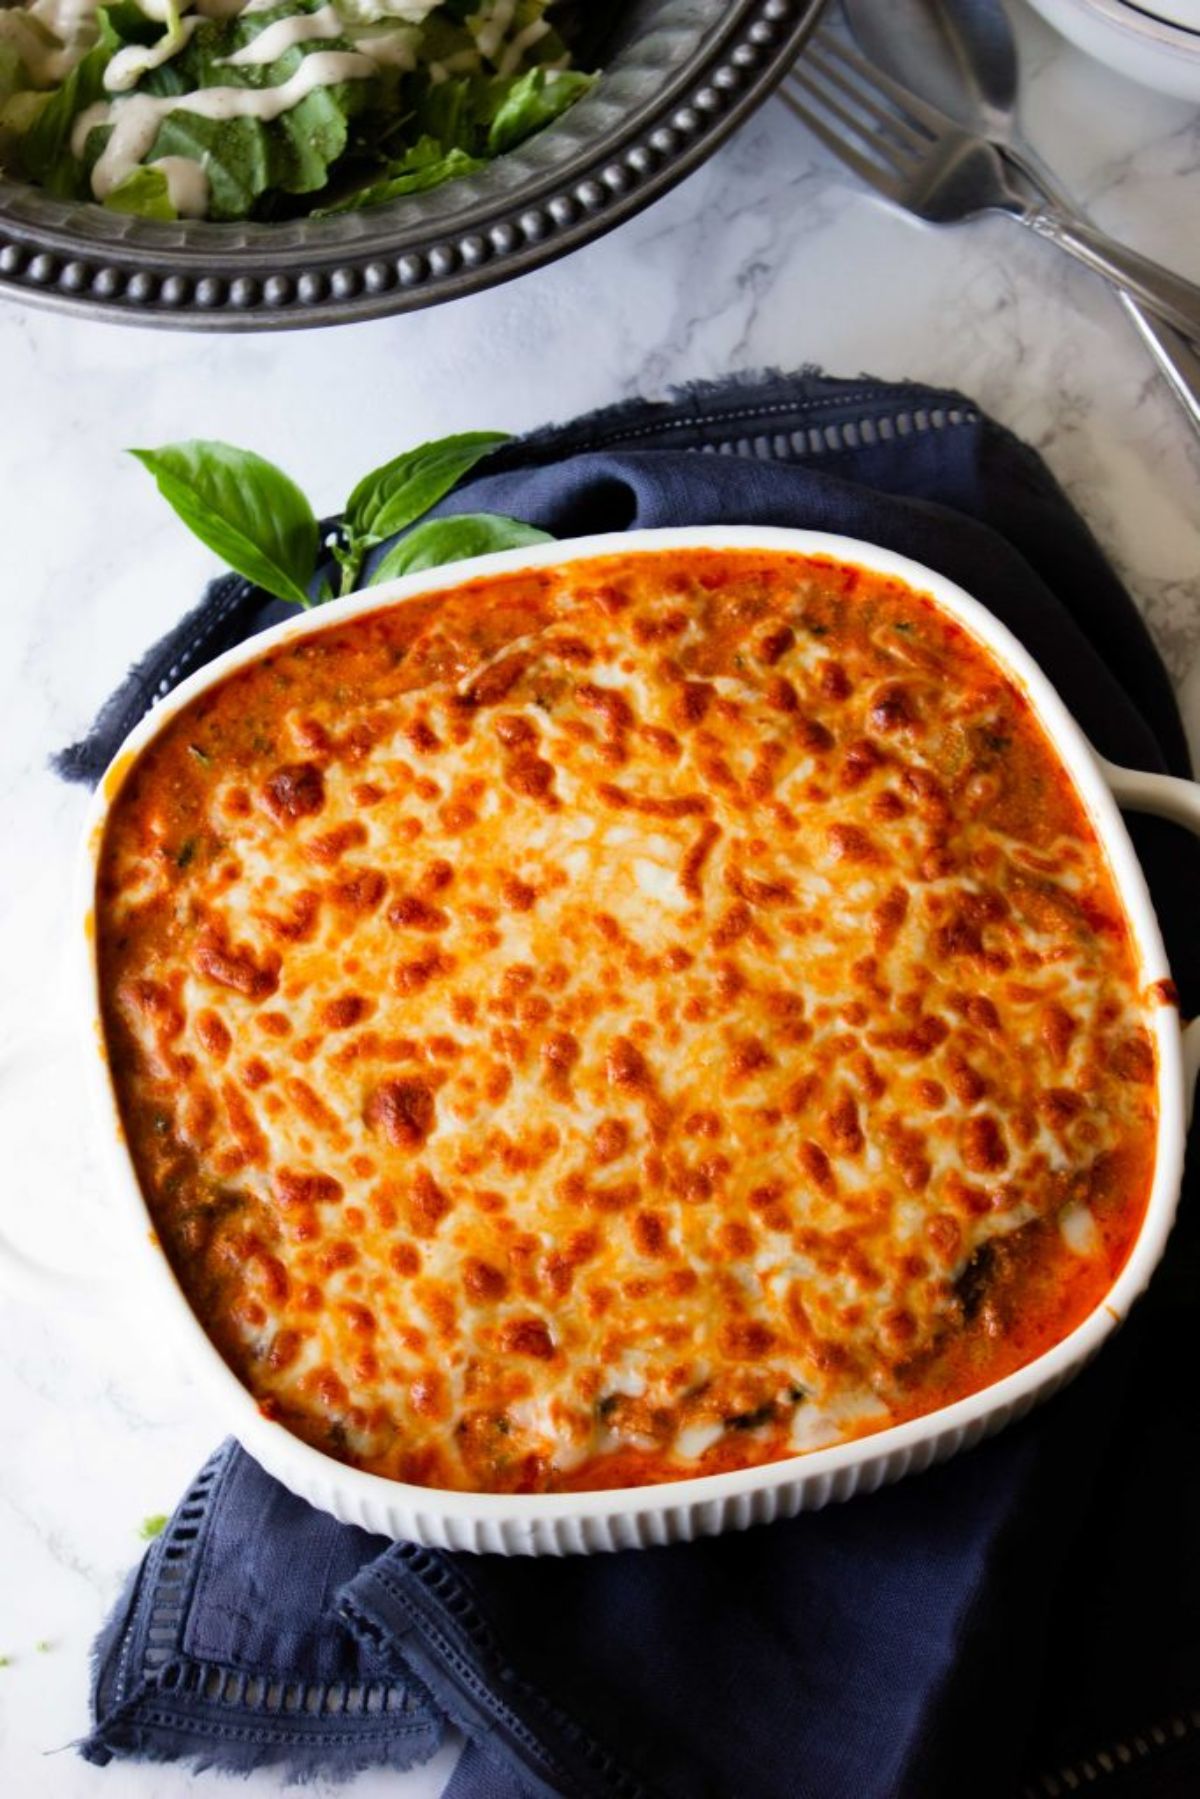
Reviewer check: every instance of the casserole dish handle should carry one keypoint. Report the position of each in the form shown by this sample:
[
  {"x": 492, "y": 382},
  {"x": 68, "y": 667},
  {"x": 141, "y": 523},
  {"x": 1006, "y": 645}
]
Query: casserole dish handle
[{"x": 1166, "y": 796}]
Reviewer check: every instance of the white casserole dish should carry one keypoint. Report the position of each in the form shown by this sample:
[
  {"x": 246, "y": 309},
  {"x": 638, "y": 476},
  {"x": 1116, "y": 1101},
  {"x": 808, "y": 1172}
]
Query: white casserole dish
[{"x": 680, "y": 1510}]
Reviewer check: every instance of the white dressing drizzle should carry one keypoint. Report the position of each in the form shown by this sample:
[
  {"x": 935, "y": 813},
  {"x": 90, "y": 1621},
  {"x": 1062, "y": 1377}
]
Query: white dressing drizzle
[
  {"x": 47, "y": 63},
  {"x": 160, "y": 11},
  {"x": 69, "y": 20},
  {"x": 386, "y": 12},
  {"x": 510, "y": 62},
  {"x": 489, "y": 33},
  {"x": 50, "y": 37},
  {"x": 463, "y": 62},
  {"x": 135, "y": 119},
  {"x": 388, "y": 49},
  {"x": 276, "y": 39},
  {"x": 187, "y": 185},
  {"x": 221, "y": 9},
  {"x": 126, "y": 67}
]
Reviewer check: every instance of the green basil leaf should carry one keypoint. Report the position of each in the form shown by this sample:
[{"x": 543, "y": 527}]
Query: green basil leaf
[
  {"x": 391, "y": 497},
  {"x": 441, "y": 540},
  {"x": 245, "y": 509},
  {"x": 144, "y": 193}
]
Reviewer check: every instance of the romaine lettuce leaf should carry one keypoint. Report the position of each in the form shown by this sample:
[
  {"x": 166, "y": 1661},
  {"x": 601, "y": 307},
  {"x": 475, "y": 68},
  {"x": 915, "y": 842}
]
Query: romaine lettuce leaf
[
  {"x": 466, "y": 122},
  {"x": 16, "y": 115},
  {"x": 144, "y": 193},
  {"x": 247, "y": 159},
  {"x": 481, "y": 85},
  {"x": 12, "y": 75},
  {"x": 487, "y": 115},
  {"x": 534, "y": 100},
  {"x": 44, "y": 153},
  {"x": 426, "y": 165},
  {"x": 131, "y": 24}
]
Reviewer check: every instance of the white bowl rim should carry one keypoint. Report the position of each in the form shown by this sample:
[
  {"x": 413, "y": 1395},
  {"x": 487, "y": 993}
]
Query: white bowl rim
[
  {"x": 1145, "y": 24},
  {"x": 1165, "y": 54},
  {"x": 1174, "y": 21},
  {"x": 310, "y": 1471}
]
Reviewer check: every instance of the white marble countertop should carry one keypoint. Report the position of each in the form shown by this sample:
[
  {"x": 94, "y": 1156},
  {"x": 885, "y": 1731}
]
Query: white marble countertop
[{"x": 770, "y": 254}]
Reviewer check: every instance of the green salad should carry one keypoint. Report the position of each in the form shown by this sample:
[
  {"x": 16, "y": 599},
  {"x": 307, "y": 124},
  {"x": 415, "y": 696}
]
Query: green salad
[{"x": 265, "y": 109}]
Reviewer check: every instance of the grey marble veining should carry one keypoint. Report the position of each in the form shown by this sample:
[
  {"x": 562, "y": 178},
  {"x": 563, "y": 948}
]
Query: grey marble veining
[{"x": 770, "y": 254}]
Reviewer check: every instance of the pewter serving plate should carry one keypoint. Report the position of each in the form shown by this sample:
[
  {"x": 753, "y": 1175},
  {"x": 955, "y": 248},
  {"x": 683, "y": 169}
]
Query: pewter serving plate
[{"x": 678, "y": 77}]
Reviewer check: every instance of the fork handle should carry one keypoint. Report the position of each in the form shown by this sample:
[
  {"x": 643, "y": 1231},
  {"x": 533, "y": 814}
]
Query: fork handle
[
  {"x": 1178, "y": 360},
  {"x": 1166, "y": 294}
]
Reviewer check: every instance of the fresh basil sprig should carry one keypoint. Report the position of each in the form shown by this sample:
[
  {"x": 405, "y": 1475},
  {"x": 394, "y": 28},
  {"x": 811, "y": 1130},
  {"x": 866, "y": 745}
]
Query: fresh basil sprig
[{"x": 257, "y": 520}]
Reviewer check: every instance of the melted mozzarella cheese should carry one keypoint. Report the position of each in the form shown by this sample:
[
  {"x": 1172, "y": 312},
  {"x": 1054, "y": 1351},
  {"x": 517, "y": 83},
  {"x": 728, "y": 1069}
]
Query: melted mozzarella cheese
[{"x": 656, "y": 1016}]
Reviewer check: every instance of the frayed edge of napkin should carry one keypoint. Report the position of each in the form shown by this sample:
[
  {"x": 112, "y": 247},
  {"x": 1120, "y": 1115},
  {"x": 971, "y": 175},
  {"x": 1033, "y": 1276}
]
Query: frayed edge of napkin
[
  {"x": 243, "y": 1753},
  {"x": 173, "y": 1712},
  {"x": 210, "y": 626}
]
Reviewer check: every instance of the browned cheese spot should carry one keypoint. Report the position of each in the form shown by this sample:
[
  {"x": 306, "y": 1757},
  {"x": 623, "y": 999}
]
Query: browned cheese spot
[{"x": 402, "y": 1111}]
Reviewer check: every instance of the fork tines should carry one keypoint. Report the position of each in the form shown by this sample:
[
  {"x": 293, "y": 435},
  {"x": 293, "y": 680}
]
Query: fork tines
[{"x": 868, "y": 120}]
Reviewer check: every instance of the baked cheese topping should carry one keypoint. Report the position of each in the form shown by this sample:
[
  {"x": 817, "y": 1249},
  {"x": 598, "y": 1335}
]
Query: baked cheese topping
[{"x": 622, "y": 1022}]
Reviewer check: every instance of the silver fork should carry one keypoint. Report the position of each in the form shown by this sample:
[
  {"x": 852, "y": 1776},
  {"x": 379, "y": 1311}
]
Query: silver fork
[{"x": 916, "y": 156}]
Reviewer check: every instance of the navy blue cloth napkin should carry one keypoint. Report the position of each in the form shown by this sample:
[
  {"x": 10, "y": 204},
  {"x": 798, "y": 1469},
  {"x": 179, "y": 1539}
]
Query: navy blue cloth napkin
[{"x": 1000, "y": 1625}]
